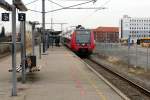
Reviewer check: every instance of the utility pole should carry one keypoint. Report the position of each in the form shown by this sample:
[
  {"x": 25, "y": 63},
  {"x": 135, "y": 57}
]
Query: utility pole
[{"x": 43, "y": 24}]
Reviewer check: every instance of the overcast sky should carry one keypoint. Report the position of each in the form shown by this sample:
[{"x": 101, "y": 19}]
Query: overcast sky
[{"x": 88, "y": 18}]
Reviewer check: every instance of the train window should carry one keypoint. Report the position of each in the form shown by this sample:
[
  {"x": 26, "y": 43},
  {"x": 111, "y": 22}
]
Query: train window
[{"x": 83, "y": 36}]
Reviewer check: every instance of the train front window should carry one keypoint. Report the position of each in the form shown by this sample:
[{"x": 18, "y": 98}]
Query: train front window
[{"x": 83, "y": 36}]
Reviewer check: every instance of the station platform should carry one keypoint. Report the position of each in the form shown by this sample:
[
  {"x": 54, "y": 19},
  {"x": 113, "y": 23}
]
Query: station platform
[{"x": 63, "y": 76}]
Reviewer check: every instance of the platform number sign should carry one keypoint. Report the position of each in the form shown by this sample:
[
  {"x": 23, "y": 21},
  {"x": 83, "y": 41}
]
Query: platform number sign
[
  {"x": 21, "y": 17},
  {"x": 5, "y": 16}
]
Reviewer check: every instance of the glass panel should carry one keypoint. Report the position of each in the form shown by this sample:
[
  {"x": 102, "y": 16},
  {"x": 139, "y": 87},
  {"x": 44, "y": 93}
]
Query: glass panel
[{"x": 83, "y": 36}]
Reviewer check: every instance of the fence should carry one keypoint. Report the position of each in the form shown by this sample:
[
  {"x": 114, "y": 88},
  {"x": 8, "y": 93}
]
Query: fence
[{"x": 133, "y": 56}]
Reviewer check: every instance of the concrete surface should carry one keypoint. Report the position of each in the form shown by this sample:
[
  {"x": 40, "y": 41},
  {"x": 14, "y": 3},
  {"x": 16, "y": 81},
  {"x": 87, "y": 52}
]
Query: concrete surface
[{"x": 62, "y": 77}]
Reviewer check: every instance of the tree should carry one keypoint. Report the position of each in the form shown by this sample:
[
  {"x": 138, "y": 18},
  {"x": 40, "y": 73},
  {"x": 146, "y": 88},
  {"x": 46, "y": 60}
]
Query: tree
[{"x": 2, "y": 32}]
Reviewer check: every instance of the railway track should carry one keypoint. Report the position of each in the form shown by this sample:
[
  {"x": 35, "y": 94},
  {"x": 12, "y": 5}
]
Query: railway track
[{"x": 126, "y": 86}]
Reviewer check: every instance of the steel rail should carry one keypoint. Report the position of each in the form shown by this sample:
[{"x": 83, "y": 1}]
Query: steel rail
[{"x": 139, "y": 87}]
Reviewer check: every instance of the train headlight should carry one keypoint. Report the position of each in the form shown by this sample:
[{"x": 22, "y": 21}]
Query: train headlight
[{"x": 83, "y": 44}]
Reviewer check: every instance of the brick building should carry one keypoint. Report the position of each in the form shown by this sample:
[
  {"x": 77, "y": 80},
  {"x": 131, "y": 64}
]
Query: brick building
[{"x": 107, "y": 34}]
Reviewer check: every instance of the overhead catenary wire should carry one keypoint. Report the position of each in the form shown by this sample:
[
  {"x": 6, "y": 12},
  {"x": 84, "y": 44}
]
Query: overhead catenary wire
[
  {"x": 55, "y": 3},
  {"x": 69, "y": 6},
  {"x": 34, "y": 11},
  {"x": 106, "y": 2},
  {"x": 89, "y": 8},
  {"x": 41, "y": 11},
  {"x": 75, "y": 0},
  {"x": 87, "y": 17},
  {"x": 31, "y": 2},
  {"x": 103, "y": 5}
]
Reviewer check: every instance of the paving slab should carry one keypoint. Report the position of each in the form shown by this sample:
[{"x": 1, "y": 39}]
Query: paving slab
[{"x": 62, "y": 77}]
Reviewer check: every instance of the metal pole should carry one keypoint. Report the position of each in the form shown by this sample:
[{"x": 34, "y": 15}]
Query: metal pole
[
  {"x": 52, "y": 31},
  {"x": 129, "y": 51},
  {"x": 46, "y": 40},
  {"x": 147, "y": 61},
  {"x": 51, "y": 23},
  {"x": 14, "y": 79},
  {"x": 39, "y": 42},
  {"x": 43, "y": 23},
  {"x": 23, "y": 51},
  {"x": 61, "y": 27},
  {"x": 33, "y": 39},
  {"x": 61, "y": 33},
  {"x": 40, "y": 47},
  {"x": 136, "y": 55}
]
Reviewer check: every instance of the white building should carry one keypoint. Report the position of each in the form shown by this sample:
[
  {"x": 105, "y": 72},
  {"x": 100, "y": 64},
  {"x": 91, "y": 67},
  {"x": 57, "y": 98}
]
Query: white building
[{"x": 137, "y": 28}]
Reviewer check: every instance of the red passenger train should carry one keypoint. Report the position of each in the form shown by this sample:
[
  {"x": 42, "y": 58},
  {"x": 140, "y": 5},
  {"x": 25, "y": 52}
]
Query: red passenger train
[{"x": 80, "y": 40}]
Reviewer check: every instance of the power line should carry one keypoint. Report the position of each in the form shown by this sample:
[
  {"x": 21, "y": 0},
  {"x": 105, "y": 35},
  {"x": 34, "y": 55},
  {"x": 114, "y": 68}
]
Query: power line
[
  {"x": 103, "y": 5},
  {"x": 98, "y": 8},
  {"x": 55, "y": 3},
  {"x": 69, "y": 6},
  {"x": 31, "y": 2},
  {"x": 106, "y": 2},
  {"x": 54, "y": 23},
  {"x": 87, "y": 17},
  {"x": 75, "y": 0},
  {"x": 34, "y": 11}
]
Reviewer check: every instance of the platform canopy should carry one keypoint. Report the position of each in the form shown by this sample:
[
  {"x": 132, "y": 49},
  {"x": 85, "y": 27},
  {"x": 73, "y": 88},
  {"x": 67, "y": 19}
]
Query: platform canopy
[
  {"x": 55, "y": 32},
  {"x": 18, "y": 3},
  {"x": 5, "y": 5}
]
